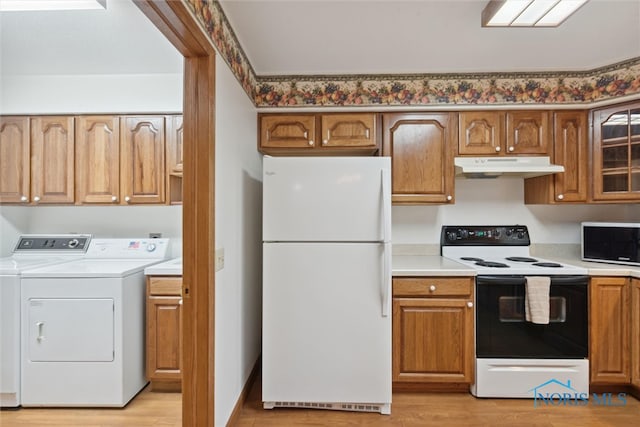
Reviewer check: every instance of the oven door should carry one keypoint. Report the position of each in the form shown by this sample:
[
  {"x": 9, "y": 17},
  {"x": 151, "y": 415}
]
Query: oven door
[{"x": 503, "y": 332}]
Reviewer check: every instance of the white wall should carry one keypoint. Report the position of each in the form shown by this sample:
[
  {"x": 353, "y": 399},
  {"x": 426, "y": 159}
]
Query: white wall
[
  {"x": 238, "y": 309},
  {"x": 13, "y": 222},
  {"x": 501, "y": 201}
]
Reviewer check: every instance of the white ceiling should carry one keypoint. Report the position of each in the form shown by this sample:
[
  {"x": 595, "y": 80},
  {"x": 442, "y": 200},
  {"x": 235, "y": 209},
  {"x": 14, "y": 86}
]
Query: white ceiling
[
  {"x": 285, "y": 37},
  {"x": 119, "y": 40}
]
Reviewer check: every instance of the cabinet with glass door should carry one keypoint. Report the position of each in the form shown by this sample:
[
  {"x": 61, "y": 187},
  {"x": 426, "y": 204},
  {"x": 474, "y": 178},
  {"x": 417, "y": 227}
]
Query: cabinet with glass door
[{"x": 616, "y": 153}]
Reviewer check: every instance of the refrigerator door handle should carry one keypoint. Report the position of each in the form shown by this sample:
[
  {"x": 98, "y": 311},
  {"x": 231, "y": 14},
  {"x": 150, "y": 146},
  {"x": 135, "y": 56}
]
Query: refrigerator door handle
[
  {"x": 386, "y": 204},
  {"x": 386, "y": 279}
]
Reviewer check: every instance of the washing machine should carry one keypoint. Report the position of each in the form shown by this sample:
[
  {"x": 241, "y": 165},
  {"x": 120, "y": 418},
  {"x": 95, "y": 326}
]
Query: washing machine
[
  {"x": 31, "y": 251},
  {"x": 83, "y": 326}
]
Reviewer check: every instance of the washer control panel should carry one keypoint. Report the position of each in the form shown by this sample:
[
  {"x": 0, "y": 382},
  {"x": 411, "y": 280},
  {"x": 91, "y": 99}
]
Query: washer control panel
[{"x": 53, "y": 243}]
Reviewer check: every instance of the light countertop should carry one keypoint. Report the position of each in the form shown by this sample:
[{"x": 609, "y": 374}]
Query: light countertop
[
  {"x": 436, "y": 265},
  {"x": 173, "y": 267},
  {"x": 428, "y": 265}
]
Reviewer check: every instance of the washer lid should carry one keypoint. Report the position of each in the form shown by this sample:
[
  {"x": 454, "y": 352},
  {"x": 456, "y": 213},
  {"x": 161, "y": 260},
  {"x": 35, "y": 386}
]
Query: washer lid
[
  {"x": 92, "y": 268},
  {"x": 13, "y": 266}
]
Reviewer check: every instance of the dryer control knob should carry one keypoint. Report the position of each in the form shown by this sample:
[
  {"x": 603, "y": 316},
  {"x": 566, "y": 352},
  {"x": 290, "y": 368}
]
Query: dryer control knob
[
  {"x": 151, "y": 247},
  {"x": 73, "y": 243}
]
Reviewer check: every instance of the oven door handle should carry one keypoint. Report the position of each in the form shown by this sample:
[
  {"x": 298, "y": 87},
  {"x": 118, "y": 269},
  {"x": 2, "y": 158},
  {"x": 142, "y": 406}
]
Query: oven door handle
[
  {"x": 521, "y": 280},
  {"x": 500, "y": 280}
]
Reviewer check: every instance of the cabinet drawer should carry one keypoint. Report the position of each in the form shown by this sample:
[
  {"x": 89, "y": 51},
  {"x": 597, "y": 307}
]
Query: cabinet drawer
[
  {"x": 433, "y": 286},
  {"x": 165, "y": 285}
]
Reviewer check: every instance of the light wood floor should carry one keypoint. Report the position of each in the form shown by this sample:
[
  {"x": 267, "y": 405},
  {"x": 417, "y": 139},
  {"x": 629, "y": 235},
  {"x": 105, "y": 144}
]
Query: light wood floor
[{"x": 408, "y": 410}]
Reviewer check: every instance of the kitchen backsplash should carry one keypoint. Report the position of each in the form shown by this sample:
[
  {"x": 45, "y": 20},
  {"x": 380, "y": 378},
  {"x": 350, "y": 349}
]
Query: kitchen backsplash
[{"x": 501, "y": 201}]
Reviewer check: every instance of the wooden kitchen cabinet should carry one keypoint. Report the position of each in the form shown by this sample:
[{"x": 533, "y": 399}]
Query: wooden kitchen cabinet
[
  {"x": 635, "y": 333},
  {"x": 52, "y": 159},
  {"x": 421, "y": 147},
  {"x": 164, "y": 323},
  {"x": 98, "y": 159},
  {"x": 570, "y": 149},
  {"x": 616, "y": 153},
  {"x": 433, "y": 320},
  {"x": 319, "y": 134},
  {"x": 14, "y": 159},
  {"x": 174, "y": 153},
  {"x": 609, "y": 319},
  {"x": 491, "y": 133},
  {"x": 142, "y": 159}
]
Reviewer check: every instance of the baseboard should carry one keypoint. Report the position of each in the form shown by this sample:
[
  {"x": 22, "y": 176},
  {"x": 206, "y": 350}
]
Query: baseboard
[
  {"x": 431, "y": 387},
  {"x": 237, "y": 409}
]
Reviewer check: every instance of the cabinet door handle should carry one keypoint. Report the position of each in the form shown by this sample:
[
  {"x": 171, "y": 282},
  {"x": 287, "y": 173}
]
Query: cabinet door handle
[
  {"x": 127, "y": 199},
  {"x": 36, "y": 199},
  {"x": 469, "y": 304},
  {"x": 432, "y": 288},
  {"x": 114, "y": 199},
  {"x": 511, "y": 149},
  {"x": 40, "y": 326},
  {"x": 311, "y": 142},
  {"x": 497, "y": 149},
  {"x": 325, "y": 142},
  {"x": 180, "y": 301},
  {"x": 560, "y": 196},
  {"x": 24, "y": 198},
  {"x": 449, "y": 198}
]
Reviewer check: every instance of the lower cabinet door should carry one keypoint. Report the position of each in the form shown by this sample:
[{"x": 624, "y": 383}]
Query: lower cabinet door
[
  {"x": 163, "y": 338},
  {"x": 635, "y": 332},
  {"x": 432, "y": 340}
]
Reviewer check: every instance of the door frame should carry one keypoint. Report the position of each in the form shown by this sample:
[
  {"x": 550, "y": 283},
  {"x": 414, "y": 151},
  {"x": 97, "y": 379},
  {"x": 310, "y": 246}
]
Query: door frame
[{"x": 179, "y": 26}]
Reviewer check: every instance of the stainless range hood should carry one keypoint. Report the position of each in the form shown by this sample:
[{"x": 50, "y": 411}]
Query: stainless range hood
[{"x": 493, "y": 167}]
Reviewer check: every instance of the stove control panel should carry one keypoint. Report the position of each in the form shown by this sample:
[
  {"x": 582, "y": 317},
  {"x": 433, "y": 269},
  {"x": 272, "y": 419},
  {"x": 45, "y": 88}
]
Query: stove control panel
[{"x": 484, "y": 235}]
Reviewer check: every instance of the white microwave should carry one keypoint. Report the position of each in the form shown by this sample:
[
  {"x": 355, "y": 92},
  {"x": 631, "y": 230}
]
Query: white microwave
[{"x": 612, "y": 242}]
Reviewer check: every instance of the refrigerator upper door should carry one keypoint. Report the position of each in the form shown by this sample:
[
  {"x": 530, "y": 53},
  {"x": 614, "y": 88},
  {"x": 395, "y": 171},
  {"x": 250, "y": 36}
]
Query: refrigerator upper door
[{"x": 326, "y": 199}]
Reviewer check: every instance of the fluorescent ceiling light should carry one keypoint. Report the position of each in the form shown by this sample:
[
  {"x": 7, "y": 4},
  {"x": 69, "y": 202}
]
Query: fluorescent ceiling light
[
  {"x": 528, "y": 13},
  {"x": 35, "y": 5}
]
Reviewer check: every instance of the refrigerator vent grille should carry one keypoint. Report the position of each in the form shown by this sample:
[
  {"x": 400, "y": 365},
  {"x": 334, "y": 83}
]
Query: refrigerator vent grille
[{"x": 334, "y": 406}]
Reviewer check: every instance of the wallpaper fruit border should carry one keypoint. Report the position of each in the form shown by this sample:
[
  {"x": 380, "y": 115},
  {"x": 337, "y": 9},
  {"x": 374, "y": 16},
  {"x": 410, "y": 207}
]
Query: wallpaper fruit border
[{"x": 616, "y": 80}]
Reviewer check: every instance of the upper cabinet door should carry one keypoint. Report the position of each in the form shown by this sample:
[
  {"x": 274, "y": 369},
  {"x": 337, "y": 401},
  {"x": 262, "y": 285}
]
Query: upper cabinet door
[
  {"x": 98, "y": 159},
  {"x": 288, "y": 131},
  {"x": 14, "y": 160},
  {"x": 528, "y": 132},
  {"x": 142, "y": 159},
  {"x": 616, "y": 154},
  {"x": 570, "y": 150},
  {"x": 421, "y": 146},
  {"x": 52, "y": 159},
  {"x": 349, "y": 130},
  {"x": 175, "y": 135},
  {"x": 481, "y": 133}
]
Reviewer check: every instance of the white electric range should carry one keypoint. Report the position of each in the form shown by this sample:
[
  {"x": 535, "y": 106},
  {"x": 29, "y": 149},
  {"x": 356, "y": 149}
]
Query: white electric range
[
  {"x": 83, "y": 326},
  {"x": 517, "y": 357}
]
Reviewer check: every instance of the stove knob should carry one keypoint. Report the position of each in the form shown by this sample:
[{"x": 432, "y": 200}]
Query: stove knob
[
  {"x": 451, "y": 235},
  {"x": 151, "y": 247},
  {"x": 520, "y": 235},
  {"x": 73, "y": 243},
  {"x": 509, "y": 232}
]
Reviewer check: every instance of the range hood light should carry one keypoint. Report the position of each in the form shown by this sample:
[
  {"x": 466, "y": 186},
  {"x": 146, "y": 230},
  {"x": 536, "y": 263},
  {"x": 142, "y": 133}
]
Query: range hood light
[{"x": 42, "y": 5}]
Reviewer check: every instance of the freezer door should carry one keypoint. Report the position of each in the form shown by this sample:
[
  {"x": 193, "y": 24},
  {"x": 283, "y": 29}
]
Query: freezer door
[
  {"x": 325, "y": 336},
  {"x": 343, "y": 199}
]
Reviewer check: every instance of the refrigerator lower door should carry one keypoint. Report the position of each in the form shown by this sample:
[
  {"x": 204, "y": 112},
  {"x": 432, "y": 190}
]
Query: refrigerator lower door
[{"x": 326, "y": 342}]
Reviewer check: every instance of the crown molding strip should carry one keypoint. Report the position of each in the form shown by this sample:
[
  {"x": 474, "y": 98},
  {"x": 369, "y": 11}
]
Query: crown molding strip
[{"x": 561, "y": 88}]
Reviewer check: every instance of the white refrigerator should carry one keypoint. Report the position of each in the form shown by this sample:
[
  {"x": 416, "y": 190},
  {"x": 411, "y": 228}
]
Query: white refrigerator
[{"x": 327, "y": 283}]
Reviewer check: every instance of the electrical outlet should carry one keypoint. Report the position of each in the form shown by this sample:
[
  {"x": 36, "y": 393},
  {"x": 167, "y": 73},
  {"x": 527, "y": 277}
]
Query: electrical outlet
[
  {"x": 219, "y": 259},
  {"x": 155, "y": 235}
]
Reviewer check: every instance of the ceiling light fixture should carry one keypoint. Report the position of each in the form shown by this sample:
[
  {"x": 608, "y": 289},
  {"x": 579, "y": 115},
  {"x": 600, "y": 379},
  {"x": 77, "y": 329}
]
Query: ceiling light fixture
[
  {"x": 528, "y": 13},
  {"x": 39, "y": 5}
]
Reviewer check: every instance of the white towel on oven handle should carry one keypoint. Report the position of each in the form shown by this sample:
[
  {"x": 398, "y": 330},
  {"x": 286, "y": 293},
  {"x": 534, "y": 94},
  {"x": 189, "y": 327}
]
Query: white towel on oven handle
[{"x": 536, "y": 300}]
